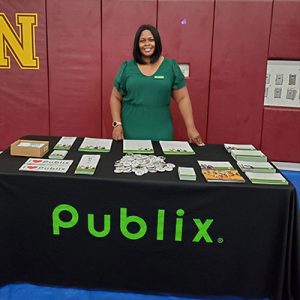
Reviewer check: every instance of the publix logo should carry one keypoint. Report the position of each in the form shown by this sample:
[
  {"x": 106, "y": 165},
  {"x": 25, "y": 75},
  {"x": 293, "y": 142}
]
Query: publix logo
[{"x": 127, "y": 222}]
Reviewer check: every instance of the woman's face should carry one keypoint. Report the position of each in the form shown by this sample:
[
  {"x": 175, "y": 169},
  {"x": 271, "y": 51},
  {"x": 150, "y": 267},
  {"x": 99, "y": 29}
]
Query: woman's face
[{"x": 147, "y": 43}]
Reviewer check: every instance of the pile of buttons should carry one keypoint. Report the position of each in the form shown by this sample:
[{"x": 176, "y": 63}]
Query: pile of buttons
[{"x": 142, "y": 164}]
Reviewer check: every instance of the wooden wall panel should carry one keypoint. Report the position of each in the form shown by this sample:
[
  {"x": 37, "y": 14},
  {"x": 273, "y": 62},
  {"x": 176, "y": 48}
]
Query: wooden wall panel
[
  {"x": 187, "y": 39},
  {"x": 24, "y": 92},
  {"x": 74, "y": 50},
  {"x": 240, "y": 49}
]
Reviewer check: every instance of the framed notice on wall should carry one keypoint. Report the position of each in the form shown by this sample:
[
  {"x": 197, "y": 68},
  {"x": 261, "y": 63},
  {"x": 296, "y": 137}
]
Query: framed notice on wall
[{"x": 282, "y": 83}]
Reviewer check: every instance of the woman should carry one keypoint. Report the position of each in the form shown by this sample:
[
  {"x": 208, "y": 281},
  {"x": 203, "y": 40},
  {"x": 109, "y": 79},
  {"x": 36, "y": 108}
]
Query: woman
[{"x": 141, "y": 96}]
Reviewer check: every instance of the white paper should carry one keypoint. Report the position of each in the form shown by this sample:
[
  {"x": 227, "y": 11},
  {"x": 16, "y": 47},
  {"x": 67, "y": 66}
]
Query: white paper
[
  {"x": 266, "y": 178},
  {"x": 31, "y": 145},
  {"x": 176, "y": 147},
  {"x": 137, "y": 146},
  {"x": 95, "y": 145},
  {"x": 230, "y": 147}
]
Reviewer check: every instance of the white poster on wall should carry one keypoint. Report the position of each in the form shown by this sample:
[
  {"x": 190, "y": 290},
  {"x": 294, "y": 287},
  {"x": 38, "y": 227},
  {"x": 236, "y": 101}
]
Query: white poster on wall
[{"x": 282, "y": 83}]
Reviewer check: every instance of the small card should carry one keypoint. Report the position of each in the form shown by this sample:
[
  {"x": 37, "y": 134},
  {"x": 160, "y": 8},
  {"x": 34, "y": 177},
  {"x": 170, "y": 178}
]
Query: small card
[
  {"x": 215, "y": 165},
  {"x": 176, "y": 148},
  {"x": 58, "y": 154},
  {"x": 95, "y": 145},
  {"x": 87, "y": 164},
  {"x": 186, "y": 173},
  {"x": 138, "y": 146},
  {"x": 65, "y": 143}
]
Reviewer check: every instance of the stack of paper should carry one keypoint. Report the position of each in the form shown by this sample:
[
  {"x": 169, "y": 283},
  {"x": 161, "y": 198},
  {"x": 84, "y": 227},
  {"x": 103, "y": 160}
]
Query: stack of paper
[
  {"x": 58, "y": 154},
  {"x": 266, "y": 178},
  {"x": 46, "y": 165},
  {"x": 138, "y": 146},
  {"x": 176, "y": 147},
  {"x": 249, "y": 155},
  {"x": 230, "y": 147},
  {"x": 95, "y": 145},
  {"x": 65, "y": 143},
  {"x": 215, "y": 165},
  {"x": 256, "y": 167},
  {"x": 186, "y": 173}
]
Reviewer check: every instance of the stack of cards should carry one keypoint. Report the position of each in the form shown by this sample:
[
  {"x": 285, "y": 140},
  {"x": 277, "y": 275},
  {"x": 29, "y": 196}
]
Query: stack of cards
[
  {"x": 230, "y": 147},
  {"x": 58, "y": 154},
  {"x": 249, "y": 155},
  {"x": 186, "y": 173},
  {"x": 256, "y": 167}
]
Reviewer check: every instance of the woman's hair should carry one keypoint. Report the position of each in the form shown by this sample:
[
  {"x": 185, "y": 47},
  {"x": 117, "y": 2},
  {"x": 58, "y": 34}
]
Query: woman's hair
[{"x": 137, "y": 55}]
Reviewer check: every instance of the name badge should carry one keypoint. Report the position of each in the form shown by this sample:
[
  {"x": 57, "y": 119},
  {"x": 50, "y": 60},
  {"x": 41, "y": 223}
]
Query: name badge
[{"x": 159, "y": 77}]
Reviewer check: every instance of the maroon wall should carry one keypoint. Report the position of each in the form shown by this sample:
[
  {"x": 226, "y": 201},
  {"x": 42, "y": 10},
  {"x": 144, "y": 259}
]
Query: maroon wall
[
  {"x": 24, "y": 93},
  {"x": 81, "y": 45}
]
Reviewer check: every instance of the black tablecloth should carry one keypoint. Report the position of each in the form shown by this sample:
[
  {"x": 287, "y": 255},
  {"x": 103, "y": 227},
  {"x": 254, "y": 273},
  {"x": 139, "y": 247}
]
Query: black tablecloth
[{"x": 199, "y": 238}]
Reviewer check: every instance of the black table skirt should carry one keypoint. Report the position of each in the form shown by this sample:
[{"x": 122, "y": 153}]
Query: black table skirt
[{"x": 192, "y": 238}]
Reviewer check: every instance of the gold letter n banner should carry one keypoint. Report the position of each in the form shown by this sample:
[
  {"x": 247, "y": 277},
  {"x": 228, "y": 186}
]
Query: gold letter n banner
[{"x": 21, "y": 46}]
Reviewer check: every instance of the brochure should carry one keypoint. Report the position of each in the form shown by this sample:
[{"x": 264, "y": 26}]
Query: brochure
[
  {"x": 186, "y": 173},
  {"x": 87, "y": 164},
  {"x": 176, "y": 148},
  {"x": 256, "y": 167},
  {"x": 95, "y": 145},
  {"x": 249, "y": 155},
  {"x": 222, "y": 176},
  {"x": 137, "y": 146},
  {"x": 58, "y": 154},
  {"x": 230, "y": 147},
  {"x": 65, "y": 143},
  {"x": 46, "y": 165},
  {"x": 215, "y": 165},
  {"x": 266, "y": 178}
]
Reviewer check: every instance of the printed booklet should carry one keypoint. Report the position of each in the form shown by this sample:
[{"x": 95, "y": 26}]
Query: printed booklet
[
  {"x": 138, "y": 146},
  {"x": 222, "y": 176},
  {"x": 58, "y": 154},
  {"x": 176, "y": 148},
  {"x": 87, "y": 164},
  {"x": 65, "y": 143},
  {"x": 95, "y": 145}
]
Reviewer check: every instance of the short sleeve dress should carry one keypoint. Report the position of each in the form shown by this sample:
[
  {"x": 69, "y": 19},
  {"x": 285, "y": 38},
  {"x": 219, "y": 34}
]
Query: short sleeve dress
[{"x": 146, "y": 100}]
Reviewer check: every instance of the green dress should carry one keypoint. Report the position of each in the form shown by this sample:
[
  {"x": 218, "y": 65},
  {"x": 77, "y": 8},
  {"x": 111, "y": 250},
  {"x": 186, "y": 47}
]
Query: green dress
[{"x": 146, "y": 100}]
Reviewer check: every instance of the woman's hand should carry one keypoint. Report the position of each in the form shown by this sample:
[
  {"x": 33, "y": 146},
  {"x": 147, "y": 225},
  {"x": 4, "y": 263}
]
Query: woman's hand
[
  {"x": 194, "y": 136},
  {"x": 117, "y": 133}
]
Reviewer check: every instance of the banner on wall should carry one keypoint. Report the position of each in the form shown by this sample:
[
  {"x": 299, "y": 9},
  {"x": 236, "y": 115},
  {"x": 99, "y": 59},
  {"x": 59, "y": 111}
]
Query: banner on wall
[{"x": 21, "y": 45}]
